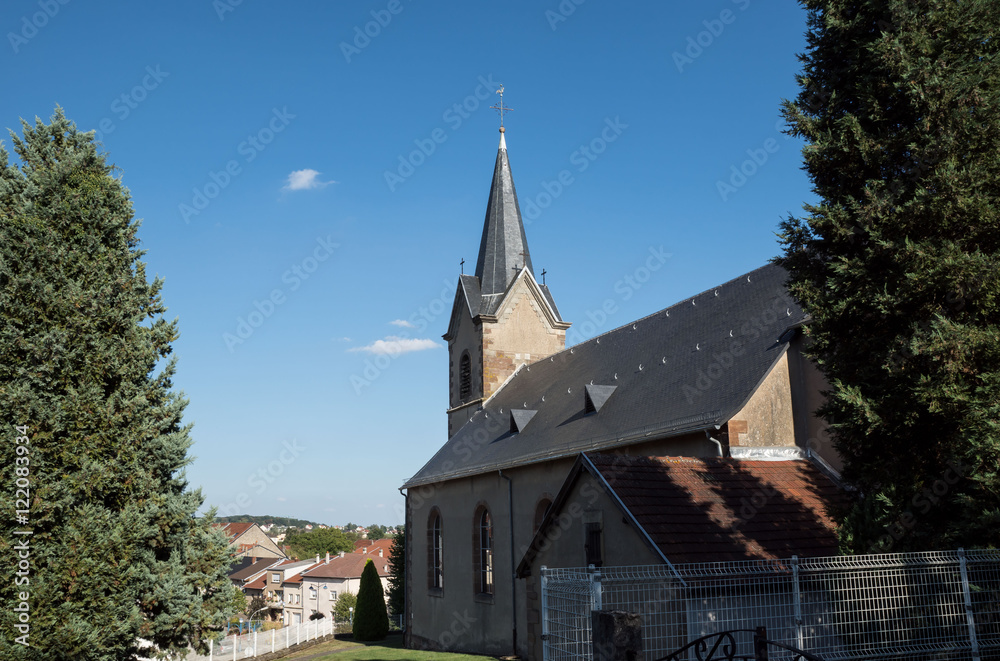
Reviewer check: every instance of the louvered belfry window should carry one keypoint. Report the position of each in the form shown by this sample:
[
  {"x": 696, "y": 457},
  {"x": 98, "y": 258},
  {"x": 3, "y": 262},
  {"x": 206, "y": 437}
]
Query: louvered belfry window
[{"x": 465, "y": 377}]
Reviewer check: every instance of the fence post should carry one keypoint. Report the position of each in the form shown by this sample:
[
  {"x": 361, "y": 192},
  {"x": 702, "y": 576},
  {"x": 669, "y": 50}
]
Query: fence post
[
  {"x": 211, "y": 647},
  {"x": 595, "y": 589},
  {"x": 545, "y": 612},
  {"x": 255, "y": 642},
  {"x": 760, "y": 644},
  {"x": 797, "y": 600},
  {"x": 969, "y": 616}
]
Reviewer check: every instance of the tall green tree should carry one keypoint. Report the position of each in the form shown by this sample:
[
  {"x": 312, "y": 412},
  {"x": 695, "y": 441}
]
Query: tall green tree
[
  {"x": 371, "y": 620},
  {"x": 116, "y": 551},
  {"x": 397, "y": 573},
  {"x": 898, "y": 261},
  {"x": 319, "y": 542}
]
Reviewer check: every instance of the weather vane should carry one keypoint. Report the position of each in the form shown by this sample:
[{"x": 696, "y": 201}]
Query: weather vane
[{"x": 501, "y": 107}]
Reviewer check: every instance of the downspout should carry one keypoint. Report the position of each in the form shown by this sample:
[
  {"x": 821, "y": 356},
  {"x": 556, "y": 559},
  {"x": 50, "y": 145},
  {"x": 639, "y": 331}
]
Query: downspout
[
  {"x": 513, "y": 584},
  {"x": 717, "y": 442},
  {"x": 406, "y": 561}
]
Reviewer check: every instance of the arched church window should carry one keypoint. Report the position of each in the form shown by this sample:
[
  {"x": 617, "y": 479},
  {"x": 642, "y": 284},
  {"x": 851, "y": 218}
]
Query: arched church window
[
  {"x": 484, "y": 551},
  {"x": 465, "y": 377},
  {"x": 435, "y": 551},
  {"x": 540, "y": 509}
]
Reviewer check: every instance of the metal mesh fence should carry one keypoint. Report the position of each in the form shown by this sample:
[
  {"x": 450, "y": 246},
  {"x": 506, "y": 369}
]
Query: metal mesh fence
[{"x": 914, "y": 606}]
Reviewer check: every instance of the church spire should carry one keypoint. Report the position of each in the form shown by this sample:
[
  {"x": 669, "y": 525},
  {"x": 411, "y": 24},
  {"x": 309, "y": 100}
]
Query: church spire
[{"x": 504, "y": 248}]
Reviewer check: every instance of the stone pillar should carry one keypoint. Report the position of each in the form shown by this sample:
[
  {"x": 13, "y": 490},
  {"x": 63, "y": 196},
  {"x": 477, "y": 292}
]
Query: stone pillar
[{"x": 616, "y": 636}]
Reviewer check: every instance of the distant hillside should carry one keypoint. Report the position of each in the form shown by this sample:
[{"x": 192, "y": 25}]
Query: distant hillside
[{"x": 261, "y": 520}]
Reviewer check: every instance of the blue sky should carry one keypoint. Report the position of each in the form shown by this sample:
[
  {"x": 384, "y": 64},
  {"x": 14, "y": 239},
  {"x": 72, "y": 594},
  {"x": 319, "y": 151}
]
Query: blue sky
[{"x": 310, "y": 174}]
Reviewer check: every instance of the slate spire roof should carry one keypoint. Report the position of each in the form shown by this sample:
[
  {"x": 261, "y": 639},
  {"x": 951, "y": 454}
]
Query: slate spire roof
[{"x": 504, "y": 248}]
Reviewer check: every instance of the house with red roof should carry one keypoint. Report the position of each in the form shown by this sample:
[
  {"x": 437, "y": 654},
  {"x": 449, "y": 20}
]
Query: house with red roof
[
  {"x": 250, "y": 541},
  {"x": 323, "y": 583}
]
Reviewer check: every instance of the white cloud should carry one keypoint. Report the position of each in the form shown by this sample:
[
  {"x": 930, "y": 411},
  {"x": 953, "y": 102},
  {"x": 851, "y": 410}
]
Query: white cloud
[
  {"x": 403, "y": 323},
  {"x": 395, "y": 346},
  {"x": 305, "y": 180}
]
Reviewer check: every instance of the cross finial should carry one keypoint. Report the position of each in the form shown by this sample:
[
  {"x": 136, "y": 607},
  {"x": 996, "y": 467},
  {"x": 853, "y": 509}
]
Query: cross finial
[
  {"x": 462, "y": 264},
  {"x": 501, "y": 107},
  {"x": 543, "y": 275}
]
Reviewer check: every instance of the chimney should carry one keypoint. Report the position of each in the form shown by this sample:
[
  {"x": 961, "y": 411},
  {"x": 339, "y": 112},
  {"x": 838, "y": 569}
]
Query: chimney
[
  {"x": 341, "y": 554},
  {"x": 380, "y": 552},
  {"x": 317, "y": 558},
  {"x": 327, "y": 558}
]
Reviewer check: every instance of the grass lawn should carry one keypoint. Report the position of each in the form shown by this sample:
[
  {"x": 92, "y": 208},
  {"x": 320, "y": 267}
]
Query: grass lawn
[{"x": 390, "y": 649}]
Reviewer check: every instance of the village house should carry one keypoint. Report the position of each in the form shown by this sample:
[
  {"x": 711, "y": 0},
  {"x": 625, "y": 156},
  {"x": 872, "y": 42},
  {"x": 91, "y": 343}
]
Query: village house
[
  {"x": 718, "y": 378},
  {"x": 322, "y": 584},
  {"x": 250, "y": 541}
]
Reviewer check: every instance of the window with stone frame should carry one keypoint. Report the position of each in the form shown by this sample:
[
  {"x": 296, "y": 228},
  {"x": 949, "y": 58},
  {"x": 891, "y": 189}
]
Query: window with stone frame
[
  {"x": 483, "y": 534},
  {"x": 435, "y": 551}
]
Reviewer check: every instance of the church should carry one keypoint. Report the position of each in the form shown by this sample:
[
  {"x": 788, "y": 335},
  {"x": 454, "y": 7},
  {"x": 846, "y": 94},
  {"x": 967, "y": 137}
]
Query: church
[{"x": 713, "y": 388}]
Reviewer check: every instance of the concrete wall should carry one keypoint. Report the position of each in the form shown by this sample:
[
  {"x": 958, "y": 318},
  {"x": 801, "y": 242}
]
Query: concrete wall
[
  {"x": 254, "y": 542},
  {"x": 456, "y": 618},
  {"x": 768, "y": 419},
  {"x": 563, "y": 545}
]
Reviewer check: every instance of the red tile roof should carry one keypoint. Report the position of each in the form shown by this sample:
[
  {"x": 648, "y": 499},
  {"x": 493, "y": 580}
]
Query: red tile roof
[
  {"x": 349, "y": 566},
  {"x": 371, "y": 547},
  {"x": 717, "y": 509},
  {"x": 257, "y": 584},
  {"x": 234, "y": 530}
]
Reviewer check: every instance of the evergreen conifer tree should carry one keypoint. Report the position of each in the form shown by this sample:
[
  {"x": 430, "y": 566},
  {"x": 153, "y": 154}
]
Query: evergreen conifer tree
[
  {"x": 898, "y": 262},
  {"x": 371, "y": 620},
  {"x": 397, "y": 573},
  {"x": 116, "y": 551}
]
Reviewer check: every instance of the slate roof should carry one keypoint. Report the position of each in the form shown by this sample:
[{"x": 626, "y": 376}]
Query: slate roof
[
  {"x": 350, "y": 565},
  {"x": 718, "y": 509},
  {"x": 249, "y": 570},
  {"x": 503, "y": 251},
  {"x": 674, "y": 372}
]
